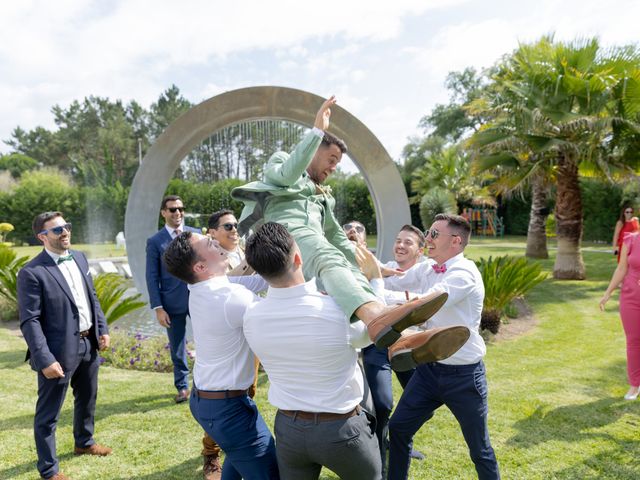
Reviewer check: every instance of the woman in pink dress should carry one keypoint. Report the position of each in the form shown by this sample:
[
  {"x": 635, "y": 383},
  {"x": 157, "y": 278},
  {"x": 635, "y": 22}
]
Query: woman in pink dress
[
  {"x": 627, "y": 223},
  {"x": 628, "y": 272}
]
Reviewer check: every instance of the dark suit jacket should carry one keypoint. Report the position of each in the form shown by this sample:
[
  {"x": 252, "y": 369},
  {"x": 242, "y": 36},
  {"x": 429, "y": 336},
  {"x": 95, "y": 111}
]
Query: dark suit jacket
[
  {"x": 49, "y": 317},
  {"x": 164, "y": 289}
]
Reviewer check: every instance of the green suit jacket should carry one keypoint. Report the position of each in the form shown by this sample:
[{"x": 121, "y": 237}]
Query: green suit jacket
[{"x": 288, "y": 196}]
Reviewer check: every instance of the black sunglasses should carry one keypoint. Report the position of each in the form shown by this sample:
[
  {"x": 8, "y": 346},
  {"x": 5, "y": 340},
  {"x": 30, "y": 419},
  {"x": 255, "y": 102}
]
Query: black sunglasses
[
  {"x": 348, "y": 226},
  {"x": 229, "y": 226},
  {"x": 175, "y": 209},
  {"x": 57, "y": 230},
  {"x": 435, "y": 233}
]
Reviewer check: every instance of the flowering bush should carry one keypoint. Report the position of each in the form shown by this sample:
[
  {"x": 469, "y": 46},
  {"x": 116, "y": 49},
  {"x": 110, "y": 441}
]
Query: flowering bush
[{"x": 135, "y": 351}]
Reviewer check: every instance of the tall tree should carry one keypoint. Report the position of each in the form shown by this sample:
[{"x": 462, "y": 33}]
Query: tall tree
[
  {"x": 566, "y": 109},
  {"x": 169, "y": 106}
]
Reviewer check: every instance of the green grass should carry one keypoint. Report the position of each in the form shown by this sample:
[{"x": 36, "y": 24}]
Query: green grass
[
  {"x": 95, "y": 250},
  {"x": 555, "y": 394}
]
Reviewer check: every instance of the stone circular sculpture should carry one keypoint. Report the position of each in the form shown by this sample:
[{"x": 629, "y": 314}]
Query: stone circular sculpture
[{"x": 246, "y": 104}]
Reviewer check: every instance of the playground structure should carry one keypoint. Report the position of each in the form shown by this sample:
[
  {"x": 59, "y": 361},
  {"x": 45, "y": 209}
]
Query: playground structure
[{"x": 484, "y": 221}]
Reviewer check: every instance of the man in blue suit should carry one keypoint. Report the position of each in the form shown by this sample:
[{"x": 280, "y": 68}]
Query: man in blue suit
[
  {"x": 168, "y": 296},
  {"x": 64, "y": 327}
]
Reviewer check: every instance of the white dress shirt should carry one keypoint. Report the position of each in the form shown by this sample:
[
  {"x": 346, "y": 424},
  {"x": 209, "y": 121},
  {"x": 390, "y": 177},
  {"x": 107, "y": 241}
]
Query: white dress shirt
[
  {"x": 223, "y": 358},
  {"x": 172, "y": 231},
  {"x": 416, "y": 279},
  {"x": 463, "y": 282},
  {"x": 409, "y": 287},
  {"x": 72, "y": 274},
  {"x": 308, "y": 349}
]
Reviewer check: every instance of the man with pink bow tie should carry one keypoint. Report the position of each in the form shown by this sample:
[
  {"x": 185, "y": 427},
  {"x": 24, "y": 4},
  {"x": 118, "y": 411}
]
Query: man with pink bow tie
[{"x": 459, "y": 382}]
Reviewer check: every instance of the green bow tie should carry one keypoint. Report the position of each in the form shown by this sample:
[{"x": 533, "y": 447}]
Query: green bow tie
[{"x": 64, "y": 258}]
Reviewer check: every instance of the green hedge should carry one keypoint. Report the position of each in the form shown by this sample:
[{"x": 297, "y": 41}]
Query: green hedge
[
  {"x": 97, "y": 213},
  {"x": 601, "y": 204},
  {"x": 353, "y": 201}
]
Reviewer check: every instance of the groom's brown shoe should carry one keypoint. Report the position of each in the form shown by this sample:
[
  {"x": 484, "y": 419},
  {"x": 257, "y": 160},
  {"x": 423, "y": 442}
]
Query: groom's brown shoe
[
  {"x": 95, "y": 449},
  {"x": 386, "y": 328},
  {"x": 58, "y": 476},
  {"x": 429, "y": 346}
]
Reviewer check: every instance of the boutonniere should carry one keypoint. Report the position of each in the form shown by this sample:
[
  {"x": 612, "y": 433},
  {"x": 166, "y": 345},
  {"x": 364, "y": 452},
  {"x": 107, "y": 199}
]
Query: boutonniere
[{"x": 327, "y": 189}]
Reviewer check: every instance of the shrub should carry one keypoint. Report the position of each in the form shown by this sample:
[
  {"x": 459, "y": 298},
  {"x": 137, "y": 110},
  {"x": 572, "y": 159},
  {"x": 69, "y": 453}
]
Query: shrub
[
  {"x": 10, "y": 265},
  {"x": 505, "y": 278},
  {"x": 435, "y": 201},
  {"x": 353, "y": 200},
  {"x": 40, "y": 191},
  {"x": 110, "y": 290},
  {"x": 135, "y": 351}
]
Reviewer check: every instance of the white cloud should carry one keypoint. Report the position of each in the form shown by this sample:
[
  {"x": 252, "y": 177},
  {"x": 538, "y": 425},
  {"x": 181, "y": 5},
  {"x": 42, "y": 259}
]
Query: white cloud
[{"x": 55, "y": 52}]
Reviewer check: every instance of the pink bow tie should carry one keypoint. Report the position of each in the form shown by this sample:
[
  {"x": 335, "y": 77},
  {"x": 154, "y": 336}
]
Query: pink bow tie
[{"x": 439, "y": 268}]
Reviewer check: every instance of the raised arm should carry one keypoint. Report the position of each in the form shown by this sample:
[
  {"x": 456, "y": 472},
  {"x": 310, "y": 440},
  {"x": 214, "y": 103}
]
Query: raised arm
[{"x": 284, "y": 170}]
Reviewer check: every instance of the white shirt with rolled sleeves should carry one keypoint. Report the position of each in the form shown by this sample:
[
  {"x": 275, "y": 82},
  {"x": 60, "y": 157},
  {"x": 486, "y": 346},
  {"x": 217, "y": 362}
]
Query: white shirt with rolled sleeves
[
  {"x": 463, "y": 282},
  {"x": 224, "y": 360},
  {"x": 308, "y": 349}
]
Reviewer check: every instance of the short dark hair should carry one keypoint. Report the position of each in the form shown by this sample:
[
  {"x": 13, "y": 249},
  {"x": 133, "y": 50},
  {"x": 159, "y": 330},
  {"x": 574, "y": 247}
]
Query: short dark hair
[
  {"x": 169, "y": 198},
  {"x": 458, "y": 224},
  {"x": 180, "y": 257},
  {"x": 214, "y": 219},
  {"x": 38, "y": 222},
  {"x": 329, "y": 139},
  {"x": 416, "y": 231},
  {"x": 268, "y": 250}
]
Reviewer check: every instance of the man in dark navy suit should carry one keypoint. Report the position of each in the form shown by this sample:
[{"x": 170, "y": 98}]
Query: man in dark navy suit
[
  {"x": 169, "y": 296},
  {"x": 64, "y": 327}
]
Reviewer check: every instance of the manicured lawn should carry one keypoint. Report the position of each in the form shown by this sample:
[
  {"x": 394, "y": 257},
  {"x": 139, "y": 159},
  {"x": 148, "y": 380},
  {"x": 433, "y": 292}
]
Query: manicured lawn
[
  {"x": 556, "y": 407},
  {"x": 96, "y": 250}
]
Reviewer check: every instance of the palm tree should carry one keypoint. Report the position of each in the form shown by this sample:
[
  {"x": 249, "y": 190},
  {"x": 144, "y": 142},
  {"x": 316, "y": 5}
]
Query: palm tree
[
  {"x": 561, "y": 110},
  {"x": 448, "y": 169}
]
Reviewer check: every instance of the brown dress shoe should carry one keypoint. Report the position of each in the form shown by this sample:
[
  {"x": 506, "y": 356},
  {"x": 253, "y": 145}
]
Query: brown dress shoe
[
  {"x": 58, "y": 476},
  {"x": 95, "y": 449},
  {"x": 212, "y": 470},
  {"x": 183, "y": 395},
  {"x": 386, "y": 328},
  {"x": 430, "y": 346}
]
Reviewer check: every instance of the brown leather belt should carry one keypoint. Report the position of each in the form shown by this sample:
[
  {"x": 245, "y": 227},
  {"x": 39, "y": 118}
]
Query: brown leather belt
[
  {"x": 84, "y": 333},
  {"x": 321, "y": 416},
  {"x": 220, "y": 395}
]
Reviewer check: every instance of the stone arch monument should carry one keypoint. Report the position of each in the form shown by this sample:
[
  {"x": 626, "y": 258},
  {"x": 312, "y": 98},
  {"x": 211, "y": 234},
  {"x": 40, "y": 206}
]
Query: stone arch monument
[{"x": 194, "y": 126}]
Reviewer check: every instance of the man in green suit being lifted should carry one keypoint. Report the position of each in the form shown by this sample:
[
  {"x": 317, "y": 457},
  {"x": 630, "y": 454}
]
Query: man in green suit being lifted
[{"x": 293, "y": 195}]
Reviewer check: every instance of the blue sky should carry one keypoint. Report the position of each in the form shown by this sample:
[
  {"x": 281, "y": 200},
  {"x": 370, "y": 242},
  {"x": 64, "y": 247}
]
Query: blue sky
[{"x": 385, "y": 61}]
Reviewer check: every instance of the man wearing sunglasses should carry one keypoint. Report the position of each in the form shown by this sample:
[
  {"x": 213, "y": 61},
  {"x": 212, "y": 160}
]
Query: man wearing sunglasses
[
  {"x": 64, "y": 327},
  {"x": 169, "y": 296},
  {"x": 223, "y": 226},
  {"x": 293, "y": 195},
  {"x": 459, "y": 382}
]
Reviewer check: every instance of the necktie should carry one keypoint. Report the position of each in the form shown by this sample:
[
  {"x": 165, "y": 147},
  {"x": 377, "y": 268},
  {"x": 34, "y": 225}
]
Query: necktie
[
  {"x": 177, "y": 232},
  {"x": 64, "y": 258},
  {"x": 439, "y": 268}
]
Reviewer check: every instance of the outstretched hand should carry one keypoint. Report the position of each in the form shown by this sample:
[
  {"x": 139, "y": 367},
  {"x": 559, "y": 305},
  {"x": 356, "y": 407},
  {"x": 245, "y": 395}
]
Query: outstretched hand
[
  {"x": 367, "y": 262},
  {"x": 323, "y": 115}
]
